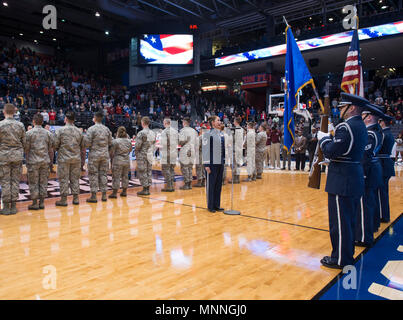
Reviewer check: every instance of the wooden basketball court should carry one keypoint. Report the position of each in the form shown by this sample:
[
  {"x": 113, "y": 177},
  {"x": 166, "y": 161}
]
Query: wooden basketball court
[{"x": 168, "y": 246}]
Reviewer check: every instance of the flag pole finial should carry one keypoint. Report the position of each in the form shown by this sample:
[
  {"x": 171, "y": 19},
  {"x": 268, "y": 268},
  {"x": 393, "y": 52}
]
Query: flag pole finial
[{"x": 285, "y": 21}]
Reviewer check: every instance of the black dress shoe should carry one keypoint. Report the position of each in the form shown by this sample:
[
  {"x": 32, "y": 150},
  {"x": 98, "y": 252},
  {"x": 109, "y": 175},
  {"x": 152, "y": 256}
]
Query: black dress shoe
[
  {"x": 328, "y": 262},
  {"x": 220, "y": 209},
  {"x": 211, "y": 210},
  {"x": 362, "y": 244}
]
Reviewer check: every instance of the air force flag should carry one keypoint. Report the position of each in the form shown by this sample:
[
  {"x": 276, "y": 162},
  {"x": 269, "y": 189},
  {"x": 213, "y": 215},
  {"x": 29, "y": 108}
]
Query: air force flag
[{"x": 297, "y": 76}]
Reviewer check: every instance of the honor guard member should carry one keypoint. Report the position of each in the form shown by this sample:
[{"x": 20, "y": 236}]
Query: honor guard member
[
  {"x": 345, "y": 180},
  {"x": 144, "y": 150},
  {"x": 372, "y": 178},
  {"x": 388, "y": 169},
  {"x": 12, "y": 144},
  {"x": 187, "y": 140},
  {"x": 250, "y": 146},
  {"x": 39, "y": 146},
  {"x": 68, "y": 142},
  {"x": 237, "y": 142},
  {"x": 200, "y": 172},
  {"x": 120, "y": 155},
  {"x": 261, "y": 139},
  {"x": 98, "y": 140},
  {"x": 213, "y": 161},
  {"x": 169, "y": 153}
]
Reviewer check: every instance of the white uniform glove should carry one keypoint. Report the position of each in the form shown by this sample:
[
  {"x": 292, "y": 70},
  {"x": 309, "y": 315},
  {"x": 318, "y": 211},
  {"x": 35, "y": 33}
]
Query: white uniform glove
[{"x": 322, "y": 134}]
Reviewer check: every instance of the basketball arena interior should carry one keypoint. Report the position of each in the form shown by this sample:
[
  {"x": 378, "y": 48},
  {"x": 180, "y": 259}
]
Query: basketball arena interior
[{"x": 86, "y": 83}]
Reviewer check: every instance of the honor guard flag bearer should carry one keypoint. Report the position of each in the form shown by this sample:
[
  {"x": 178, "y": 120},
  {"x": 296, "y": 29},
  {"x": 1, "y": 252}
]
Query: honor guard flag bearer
[{"x": 297, "y": 76}]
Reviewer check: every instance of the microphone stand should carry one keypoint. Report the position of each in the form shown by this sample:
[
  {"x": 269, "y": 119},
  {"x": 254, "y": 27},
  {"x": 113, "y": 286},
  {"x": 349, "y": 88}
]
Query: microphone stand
[{"x": 232, "y": 212}]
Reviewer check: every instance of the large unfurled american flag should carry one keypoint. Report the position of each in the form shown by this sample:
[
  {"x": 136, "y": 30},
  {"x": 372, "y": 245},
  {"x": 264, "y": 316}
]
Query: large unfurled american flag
[
  {"x": 352, "y": 81},
  {"x": 167, "y": 48}
]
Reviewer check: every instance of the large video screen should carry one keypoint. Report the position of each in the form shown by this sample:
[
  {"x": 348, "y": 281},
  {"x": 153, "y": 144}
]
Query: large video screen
[
  {"x": 166, "y": 49},
  {"x": 320, "y": 42}
]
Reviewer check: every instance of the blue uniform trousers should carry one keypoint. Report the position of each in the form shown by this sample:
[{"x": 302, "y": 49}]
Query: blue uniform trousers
[
  {"x": 383, "y": 196},
  {"x": 342, "y": 220},
  {"x": 364, "y": 230},
  {"x": 214, "y": 185}
]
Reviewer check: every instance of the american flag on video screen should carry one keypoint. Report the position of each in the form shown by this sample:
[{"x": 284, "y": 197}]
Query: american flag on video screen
[
  {"x": 352, "y": 81},
  {"x": 167, "y": 48}
]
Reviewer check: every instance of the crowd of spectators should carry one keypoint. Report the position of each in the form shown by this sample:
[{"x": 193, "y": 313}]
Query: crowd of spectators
[{"x": 52, "y": 86}]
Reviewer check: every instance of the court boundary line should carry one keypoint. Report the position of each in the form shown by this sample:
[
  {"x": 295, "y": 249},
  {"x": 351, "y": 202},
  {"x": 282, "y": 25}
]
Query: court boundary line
[
  {"x": 242, "y": 215},
  {"x": 365, "y": 251}
]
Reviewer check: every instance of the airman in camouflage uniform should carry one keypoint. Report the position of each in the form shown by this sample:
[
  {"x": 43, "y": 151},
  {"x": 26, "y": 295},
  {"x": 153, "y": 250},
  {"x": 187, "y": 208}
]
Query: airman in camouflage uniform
[
  {"x": 120, "y": 154},
  {"x": 250, "y": 146},
  {"x": 227, "y": 142},
  {"x": 261, "y": 139},
  {"x": 98, "y": 139},
  {"x": 200, "y": 172},
  {"x": 12, "y": 144},
  {"x": 169, "y": 153},
  {"x": 68, "y": 142},
  {"x": 145, "y": 141},
  {"x": 39, "y": 146},
  {"x": 237, "y": 142},
  {"x": 187, "y": 140}
]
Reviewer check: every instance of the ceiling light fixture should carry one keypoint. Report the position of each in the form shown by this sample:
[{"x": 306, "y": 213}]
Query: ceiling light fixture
[
  {"x": 107, "y": 33},
  {"x": 5, "y": 4},
  {"x": 97, "y": 14}
]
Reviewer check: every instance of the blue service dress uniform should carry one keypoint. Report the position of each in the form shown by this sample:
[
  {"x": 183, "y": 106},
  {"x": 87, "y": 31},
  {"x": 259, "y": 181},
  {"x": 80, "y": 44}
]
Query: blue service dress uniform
[
  {"x": 372, "y": 180},
  {"x": 344, "y": 185},
  {"x": 388, "y": 172},
  {"x": 213, "y": 151}
]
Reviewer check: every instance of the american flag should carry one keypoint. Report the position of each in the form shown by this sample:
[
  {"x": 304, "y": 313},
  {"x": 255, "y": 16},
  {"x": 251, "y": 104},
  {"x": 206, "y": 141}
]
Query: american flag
[
  {"x": 167, "y": 48},
  {"x": 352, "y": 81}
]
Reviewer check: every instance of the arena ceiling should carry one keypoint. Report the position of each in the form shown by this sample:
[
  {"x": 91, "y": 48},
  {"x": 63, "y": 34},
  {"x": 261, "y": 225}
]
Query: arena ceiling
[{"x": 78, "y": 25}]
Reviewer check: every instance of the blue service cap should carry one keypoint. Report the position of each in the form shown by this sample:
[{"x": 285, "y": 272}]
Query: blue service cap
[
  {"x": 367, "y": 107},
  {"x": 384, "y": 116},
  {"x": 348, "y": 98}
]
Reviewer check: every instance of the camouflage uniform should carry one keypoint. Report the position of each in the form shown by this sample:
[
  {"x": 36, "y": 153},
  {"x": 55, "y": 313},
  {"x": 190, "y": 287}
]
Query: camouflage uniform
[
  {"x": 261, "y": 139},
  {"x": 237, "y": 143},
  {"x": 200, "y": 172},
  {"x": 227, "y": 140},
  {"x": 12, "y": 144},
  {"x": 250, "y": 146},
  {"x": 38, "y": 148},
  {"x": 187, "y": 139},
  {"x": 68, "y": 143},
  {"x": 169, "y": 153},
  {"x": 145, "y": 141},
  {"x": 120, "y": 150},
  {"x": 98, "y": 139}
]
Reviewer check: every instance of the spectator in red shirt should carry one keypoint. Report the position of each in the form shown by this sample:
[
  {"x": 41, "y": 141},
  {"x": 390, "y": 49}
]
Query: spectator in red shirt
[
  {"x": 52, "y": 117},
  {"x": 275, "y": 148},
  {"x": 118, "y": 109}
]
